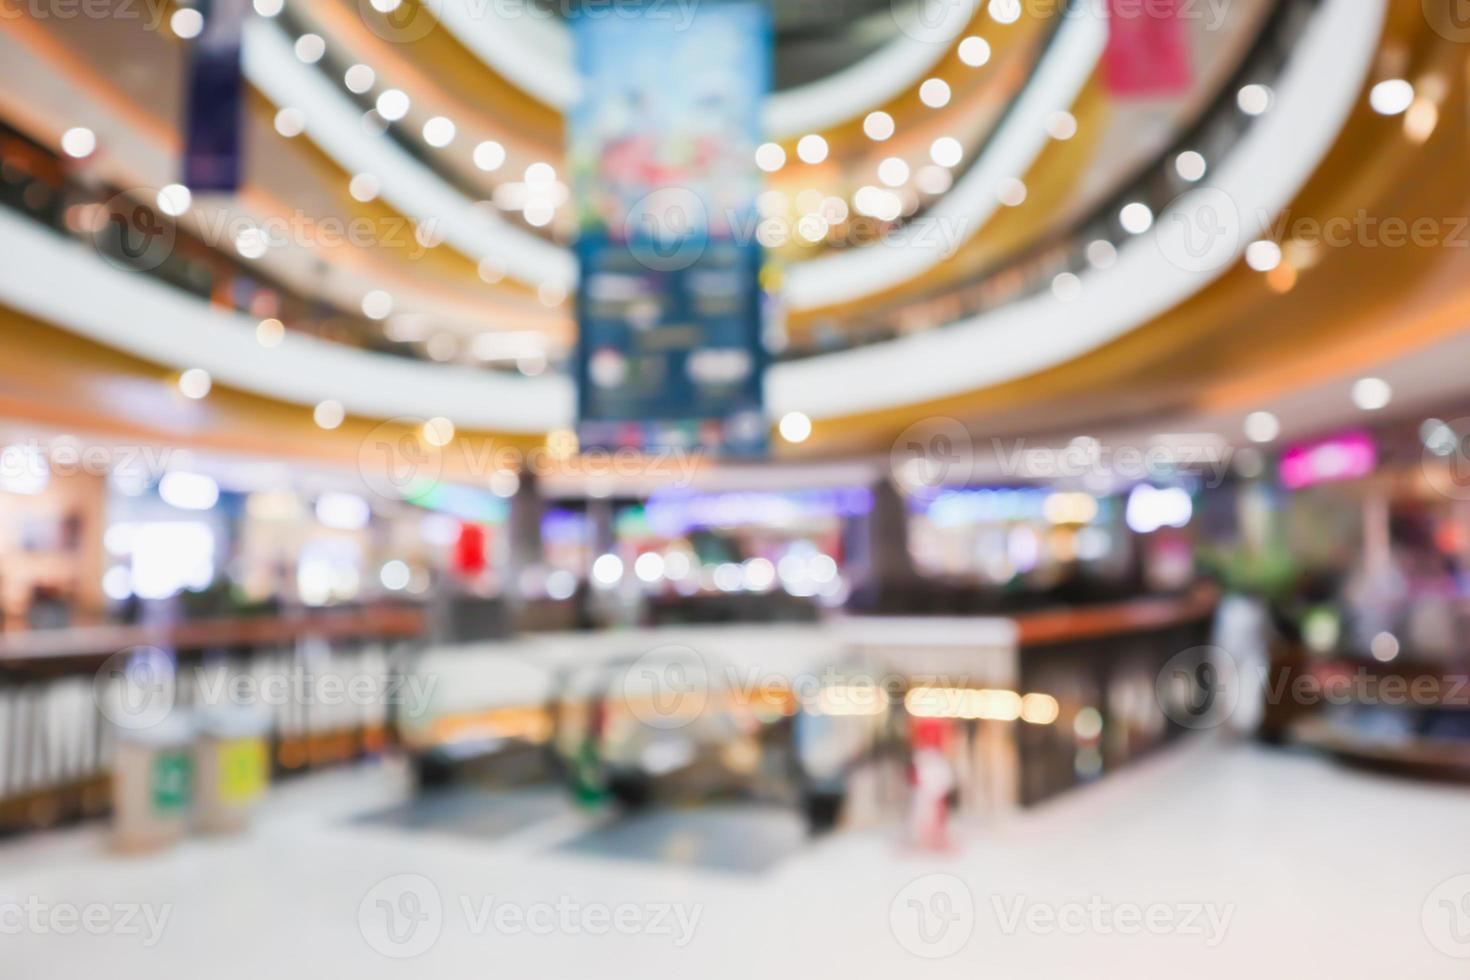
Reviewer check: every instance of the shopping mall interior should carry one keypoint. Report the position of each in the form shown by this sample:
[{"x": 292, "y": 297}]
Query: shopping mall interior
[{"x": 555, "y": 488}]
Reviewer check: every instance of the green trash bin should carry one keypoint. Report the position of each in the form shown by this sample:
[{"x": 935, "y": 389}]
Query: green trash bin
[{"x": 152, "y": 784}]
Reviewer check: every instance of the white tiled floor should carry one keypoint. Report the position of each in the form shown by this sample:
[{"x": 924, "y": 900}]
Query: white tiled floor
[{"x": 1315, "y": 872}]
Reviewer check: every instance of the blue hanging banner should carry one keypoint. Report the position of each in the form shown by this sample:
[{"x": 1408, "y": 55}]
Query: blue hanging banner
[
  {"x": 213, "y": 151},
  {"x": 662, "y": 160}
]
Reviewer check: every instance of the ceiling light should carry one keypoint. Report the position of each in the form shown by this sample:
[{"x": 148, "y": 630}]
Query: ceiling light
[
  {"x": 1263, "y": 256},
  {"x": 174, "y": 200},
  {"x": 364, "y": 187},
  {"x": 878, "y": 126},
  {"x": 251, "y": 243},
  {"x": 78, "y": 142},
  {"x": 812, "y": 149},
  {"x": 359, "y": 78},
  {"x": 1066, "y": 287},
  {"x": 377, "y": 305},
  {"x": 290, "y": 122},
  {"x": 393, "y": 104},
  {"x": 770, "y": 157},
  {"x": 1372, "y": 394},
  {"x": 439, "y": 432},
  {"x": 310, "y": 48},
  {"x": 934, "y": 179},
  {"x": 935, "y": 93},
  {"x": 1011, "y": 192},
  {"x": 1101, "y": 254},
  {"x": 270, "y": 332},
  {"x": 491, "y": 269},
  {"x": 946, "y": 151},
  {"x": 269, "y": 8},
  {"x": 1005, "y": 11},
  {"x": 893, "y": 172},
  {"x": 328, "y": 414},
  {"x": 974, "y": 51},
  {"x": 1391, "y": 97},
  {"x": 439, "y": 132},
  {"x": 186, "y": 22},
  {"x": 1253, "y": 99},
  {"x": 489, "y": 156},
  {"x": 795, "y": 427},
  {"x": 1136, "y": 218},
  {"x": 1191, "y": 165},
  {"x": 1061, "y": 125},
  {"x": 1262, "y": 427},
  {"x": 195, "y": 383},
  {"x": 1421, "y": 120}
]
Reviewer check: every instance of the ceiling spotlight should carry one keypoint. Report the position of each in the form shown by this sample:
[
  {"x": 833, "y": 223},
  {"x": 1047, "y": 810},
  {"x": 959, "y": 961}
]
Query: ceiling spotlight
[
  {"x": 770, "y": 157},
  {"x": 1391, "y": 97},
  {"x": 946, "y": 151},
  {"x": 1262, "y": 427},
  {"x": 974, "y": 51},
  {"x": 290, "y": 122},
  {"x": 195, "y": 383},
  {"x": 1136, "y": 218},
  {"x": 392, "y": 104},
  {"x": 1263, "y": 256},
  {"x": 795, "y": 427},
  {"x": 1101, "y": 254},
  {"x": 1372, "y": 394},
  {"x": 812, "y": 149},
  {"x": 78, "y": 142},
  {"x": 489, "y": 156},
  {"x": 893, "y": 172},
  {"x": 364, "y": 187},
  {"x": 1061, "y": 125},
  {"x": 1005, "y": 11},
  {"x": 439, "y": 132},
  {"x": 174, "y": 200},
  {"x": 359, "y": 78},
  {"x": 1011, "y": 192},
  {"x": 1191, "y": 165},
  {"x": 186, "y": 23},
  {"x": 377, "y": 305},
  {"x": 1066, "y": 287},
  {"x": 935, "y": 93},
  {"x": 328, "y": 414},
  {"x": 1253, "y": 99},
  {"x": 878, "y": 126},
  {"x": 310, "y": 48}
]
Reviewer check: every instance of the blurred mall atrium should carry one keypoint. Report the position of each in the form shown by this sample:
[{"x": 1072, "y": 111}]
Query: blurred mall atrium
[{"x": 832, "y": 488}]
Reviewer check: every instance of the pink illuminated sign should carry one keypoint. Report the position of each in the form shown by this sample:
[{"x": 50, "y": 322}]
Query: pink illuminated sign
[{"x": 1344, "y": 457}]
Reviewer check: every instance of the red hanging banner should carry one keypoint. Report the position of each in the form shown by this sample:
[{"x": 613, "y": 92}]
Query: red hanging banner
[{"x": 1148, "y": 49}]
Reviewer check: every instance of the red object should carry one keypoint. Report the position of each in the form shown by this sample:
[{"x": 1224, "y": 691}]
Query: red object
[
  {"x": 469, "y": 550},
  {"x": 1148, "y": 49},
  {"x": 930, "y": 733}
]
